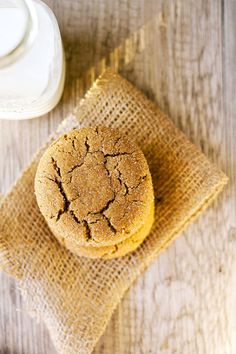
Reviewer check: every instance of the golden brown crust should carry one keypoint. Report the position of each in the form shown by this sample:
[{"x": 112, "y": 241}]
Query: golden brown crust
[
  {"x": 93, "y": 186},
  {"x": 113, "y": 251}
]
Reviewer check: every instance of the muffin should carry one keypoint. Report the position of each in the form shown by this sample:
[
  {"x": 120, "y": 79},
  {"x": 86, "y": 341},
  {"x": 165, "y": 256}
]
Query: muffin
[{"x": 94, "y": 188}]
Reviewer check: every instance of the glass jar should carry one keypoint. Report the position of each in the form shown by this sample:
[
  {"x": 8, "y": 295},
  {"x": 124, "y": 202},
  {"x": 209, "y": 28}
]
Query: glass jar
[{"x": 32, "y": 63}]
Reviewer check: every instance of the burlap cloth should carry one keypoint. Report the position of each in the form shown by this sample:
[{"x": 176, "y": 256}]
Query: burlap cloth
[{"x": 76, "y": 296}]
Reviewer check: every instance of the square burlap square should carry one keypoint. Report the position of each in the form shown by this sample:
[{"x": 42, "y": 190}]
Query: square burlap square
[{"x": 76, "y": 296}]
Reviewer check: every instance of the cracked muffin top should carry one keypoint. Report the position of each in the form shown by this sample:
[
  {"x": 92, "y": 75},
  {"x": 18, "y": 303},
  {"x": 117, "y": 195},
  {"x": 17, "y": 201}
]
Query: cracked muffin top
[{"x": 93, "y": 185}]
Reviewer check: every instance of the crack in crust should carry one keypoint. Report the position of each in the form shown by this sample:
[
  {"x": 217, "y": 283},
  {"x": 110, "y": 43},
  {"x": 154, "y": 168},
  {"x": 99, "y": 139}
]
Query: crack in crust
[
  {"x": 88, "y": 230},
  {"x": 84, "y": 223},
  {"x": 56, "y": 167},
  {"x": 61, "y": 189},
  {"x": 118, "y": 154},
  {"x": 84, "y": 157},
  {"x": 74, "y": 217},
  {"x": 67, "y": 202},
  {"x": 87, "y": 144},
  {"x": 102, "y": 212}
]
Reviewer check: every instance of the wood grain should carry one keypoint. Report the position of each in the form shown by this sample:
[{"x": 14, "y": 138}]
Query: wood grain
[{"x": 182, "y": 55}]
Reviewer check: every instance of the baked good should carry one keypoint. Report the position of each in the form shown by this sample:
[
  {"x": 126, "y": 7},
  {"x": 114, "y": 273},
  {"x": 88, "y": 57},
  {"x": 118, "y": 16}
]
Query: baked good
[
  {"x": 118, "y": 250},
  {"x": 94, "y": 188}
]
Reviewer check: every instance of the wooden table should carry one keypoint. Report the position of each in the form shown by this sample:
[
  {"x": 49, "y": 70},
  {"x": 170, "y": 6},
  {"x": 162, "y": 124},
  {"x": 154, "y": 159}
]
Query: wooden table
[{"x": 182, "y": 54}]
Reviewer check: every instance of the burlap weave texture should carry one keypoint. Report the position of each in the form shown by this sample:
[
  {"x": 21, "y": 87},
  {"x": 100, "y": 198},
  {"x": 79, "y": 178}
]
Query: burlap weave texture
[{"x": 76, "y": 296}]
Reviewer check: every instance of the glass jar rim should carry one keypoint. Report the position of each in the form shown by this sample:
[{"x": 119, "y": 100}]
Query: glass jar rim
[{"x": 27, "y": 39}]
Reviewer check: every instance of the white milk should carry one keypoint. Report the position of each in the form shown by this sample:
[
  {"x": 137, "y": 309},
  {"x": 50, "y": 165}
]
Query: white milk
[
  {"x": 33, "y": 84},
  {"x": 12, "y": 28}
]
